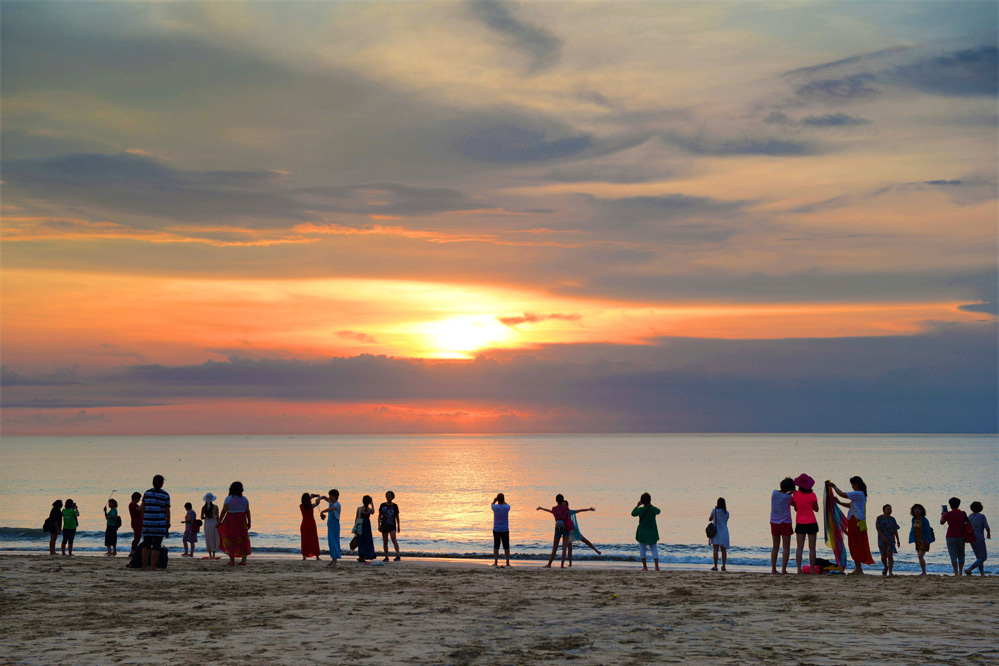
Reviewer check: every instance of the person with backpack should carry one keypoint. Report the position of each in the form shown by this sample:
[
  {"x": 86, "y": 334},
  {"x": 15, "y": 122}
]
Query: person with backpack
[{"x": 53, "y": 524}]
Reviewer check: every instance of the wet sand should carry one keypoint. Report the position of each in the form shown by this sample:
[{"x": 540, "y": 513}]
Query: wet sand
[{"x": 91, "y": 610}]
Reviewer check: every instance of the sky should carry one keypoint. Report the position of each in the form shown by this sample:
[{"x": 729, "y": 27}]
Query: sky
[{"x": 499, "y": 217}]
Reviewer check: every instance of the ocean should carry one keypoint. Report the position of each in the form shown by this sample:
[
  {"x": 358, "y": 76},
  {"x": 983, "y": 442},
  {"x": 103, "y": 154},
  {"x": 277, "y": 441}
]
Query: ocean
[{"x": 444, "y": 485}]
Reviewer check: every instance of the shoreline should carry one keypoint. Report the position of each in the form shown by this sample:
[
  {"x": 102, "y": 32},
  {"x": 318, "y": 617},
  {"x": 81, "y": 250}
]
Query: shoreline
[{"x": 94, "y": 611}]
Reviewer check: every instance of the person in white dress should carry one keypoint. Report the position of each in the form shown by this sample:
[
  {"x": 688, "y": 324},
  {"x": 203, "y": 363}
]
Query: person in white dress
[
  {"x": 719, "y": 516},
  {"x": 210, "y": 518}
]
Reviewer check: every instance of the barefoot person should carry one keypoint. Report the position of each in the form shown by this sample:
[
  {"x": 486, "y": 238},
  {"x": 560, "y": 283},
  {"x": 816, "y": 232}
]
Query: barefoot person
[
  {"x": 310, "y": 533},
  {"x": 53, "y": 524},
  {"x": 70, "y": 521},
  {"x": 234, "y": 525},
  {"x": 781, "y": 528},
  {"x": 111, "y": 531},
  {"x": 563, "y": 528},
  {"x": 921, "y": 534},
  {"x": 805, "y": 503},
  {"x": 501, "y": 528},
  {"x": 954, "y": 520},
  {"x": 647, "y": 532},
  {"x": 135, "y": 521},
  {"x": 719, "y": 516},
  {"x": 980, "y": 525},
  {"x": 155, "y": 522},
  {"x": 362, "y": 529},
  {"x": 887, "y": 530},
  {"x": 576, "y": 534},
  {"x": 190, "y": 530},
  {"x": 210, "y": 519},
  {"x": 331, "y": 515},
  {"x": 856, "y": 530},
  {"x": 389, "y": 524}
]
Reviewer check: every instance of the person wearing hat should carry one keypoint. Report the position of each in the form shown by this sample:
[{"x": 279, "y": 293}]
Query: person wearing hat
[
  {"x": 805, "y": 503},
  {"x": 210, "y": 518}
]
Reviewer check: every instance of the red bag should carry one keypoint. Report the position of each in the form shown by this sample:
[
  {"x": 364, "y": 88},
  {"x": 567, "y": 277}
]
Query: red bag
[{"x": 969, "y": 532}]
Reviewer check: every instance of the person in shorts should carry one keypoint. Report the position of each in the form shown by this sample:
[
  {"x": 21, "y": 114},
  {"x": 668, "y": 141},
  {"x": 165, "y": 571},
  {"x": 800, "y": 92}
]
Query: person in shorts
[
  {"x": 388, "y": 524},
  {"x": 781, "y": 528},
  {"x": 805, "y": 503},
  {"x": 155, "y": 522},
  {"x": 563, "y": 528}
]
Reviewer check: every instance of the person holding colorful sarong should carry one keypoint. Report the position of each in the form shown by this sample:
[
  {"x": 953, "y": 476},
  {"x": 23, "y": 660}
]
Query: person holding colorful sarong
[
  {"x": 234, "y": 525},
  {"x": 856, "y": 530}
]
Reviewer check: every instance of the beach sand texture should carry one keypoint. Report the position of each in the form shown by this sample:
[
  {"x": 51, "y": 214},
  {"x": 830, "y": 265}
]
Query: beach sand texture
[{"x": 91, "y": 610}]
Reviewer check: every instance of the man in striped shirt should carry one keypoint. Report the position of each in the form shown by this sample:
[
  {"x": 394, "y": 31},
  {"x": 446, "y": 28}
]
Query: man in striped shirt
[{"x": 155, "y": 522}]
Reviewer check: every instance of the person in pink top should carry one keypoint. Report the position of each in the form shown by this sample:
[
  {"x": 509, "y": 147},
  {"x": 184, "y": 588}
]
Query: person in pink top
[
  {"x": 955, "y": 520},
  {"x": 805, "y": 503},
  {"x": 563, "y": 527}
]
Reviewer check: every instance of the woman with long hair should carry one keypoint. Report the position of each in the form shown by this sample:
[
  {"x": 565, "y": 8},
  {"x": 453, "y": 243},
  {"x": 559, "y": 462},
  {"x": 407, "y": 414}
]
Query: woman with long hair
[
  {"x": 234, "y": 525},
  {"x": 310, "y": 535},
  {"x": 362, "y": 528},
  {"x": 719, "y": 516},
  {"x": 563, "y": 528},
  {"x": 53, "y": 524},
  {"x": 856, "y": 522}
]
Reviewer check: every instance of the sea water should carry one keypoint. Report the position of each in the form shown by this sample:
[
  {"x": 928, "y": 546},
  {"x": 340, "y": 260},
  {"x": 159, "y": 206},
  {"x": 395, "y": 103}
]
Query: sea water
[{"x": 444, "y": 485}]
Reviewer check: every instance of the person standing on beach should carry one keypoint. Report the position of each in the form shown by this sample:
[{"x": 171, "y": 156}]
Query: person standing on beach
[
  {"x": 362, "y": 529},
  {"x": 210, "y": 519},
  {"x": 805, "y": 503},
  {"x": 70, "y": 521},
  {"x": 563, "y": 528},
  {"x": 331, "y": 515},
  {"x": 576, "y": 534},
  {"x": 856, "y": 530},
  {"x": 53, "y": 524},
  {"x": 954, "y": 520},
  {"x": 921, "y": 534},
  {"x": 389, "y": 523},
  {"x": 887, "y": 530},
  {"x": 135, "y": 520},
  {"x": 111, "y": 531},
  {"x": 234, "y": 525},
  {"x": 501, "y": 528},
  {"x": 781, "y": 528},
  {"x": 155, "y": 522},
  {"x": 980, "y": 525},
  {"x": 647, "y": 533},
  {"x": 310, "y": 534},
  {"x": 190, "y": 530},
  {"x": 720, "y": 541}
]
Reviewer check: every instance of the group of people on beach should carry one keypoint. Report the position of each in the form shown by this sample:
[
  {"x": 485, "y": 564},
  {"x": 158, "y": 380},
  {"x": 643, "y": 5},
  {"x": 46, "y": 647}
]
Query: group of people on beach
[
  {"x": 227, "y": 528},
  {"x": 798, "y": 493}
]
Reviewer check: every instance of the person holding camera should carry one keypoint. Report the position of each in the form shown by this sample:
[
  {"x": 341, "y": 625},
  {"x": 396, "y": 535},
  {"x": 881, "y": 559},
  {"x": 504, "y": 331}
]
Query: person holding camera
[
  {"x": 70, "y": 521},
  {"x": 501, "y": 528}
]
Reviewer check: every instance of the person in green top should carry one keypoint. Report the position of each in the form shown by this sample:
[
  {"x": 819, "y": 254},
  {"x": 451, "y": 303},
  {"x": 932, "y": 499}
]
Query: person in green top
[
  {"x": 70, "y": 520},
  {"x": 647, "y": 533},
  {"x": 111, "y": 532}
]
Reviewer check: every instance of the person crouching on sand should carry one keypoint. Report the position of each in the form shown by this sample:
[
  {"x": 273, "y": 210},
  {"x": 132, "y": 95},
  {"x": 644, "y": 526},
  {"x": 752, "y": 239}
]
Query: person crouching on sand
[
  {"x": 781, "y": 528},
  {"x": 647, "y": 532},
  {"x": 563, "y": 528}
]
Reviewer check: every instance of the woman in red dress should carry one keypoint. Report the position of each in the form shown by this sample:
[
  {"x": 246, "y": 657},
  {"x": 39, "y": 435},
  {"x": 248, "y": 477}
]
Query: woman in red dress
[{"x": 310, "y": 536}]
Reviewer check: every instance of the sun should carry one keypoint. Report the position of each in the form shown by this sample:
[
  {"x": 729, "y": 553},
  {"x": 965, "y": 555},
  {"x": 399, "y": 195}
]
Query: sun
[{"x": 461, "y": 337}]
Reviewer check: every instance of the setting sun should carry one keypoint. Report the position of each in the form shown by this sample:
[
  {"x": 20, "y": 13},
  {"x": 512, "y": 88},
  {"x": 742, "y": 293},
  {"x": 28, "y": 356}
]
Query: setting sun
[{"x": 461, "y": 337}]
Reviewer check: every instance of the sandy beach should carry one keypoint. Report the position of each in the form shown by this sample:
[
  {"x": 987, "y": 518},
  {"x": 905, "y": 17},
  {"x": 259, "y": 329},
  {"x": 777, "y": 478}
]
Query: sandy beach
[{"x": 91, "y": 610}]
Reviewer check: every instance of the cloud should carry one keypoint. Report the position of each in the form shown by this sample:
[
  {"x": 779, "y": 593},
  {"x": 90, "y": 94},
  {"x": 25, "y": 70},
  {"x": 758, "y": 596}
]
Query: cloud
[
  {"x": 969, "y": 72},
  {"x": 748, "y": 145},
  {"x": 510, "y": 144},
  {"x": 65, "y": 376},
  {"x": 542, "y": 48},
  {"x": 514, "y": 321},
  {"x": 990, "y": 307},
  {"x": 42, "y": 419},
  {"x": 140, "y": 185},
  {"x": 834, "y": 120},
  {"x": 940, "y": 381},
  {"x": 356, "y": 336}
]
